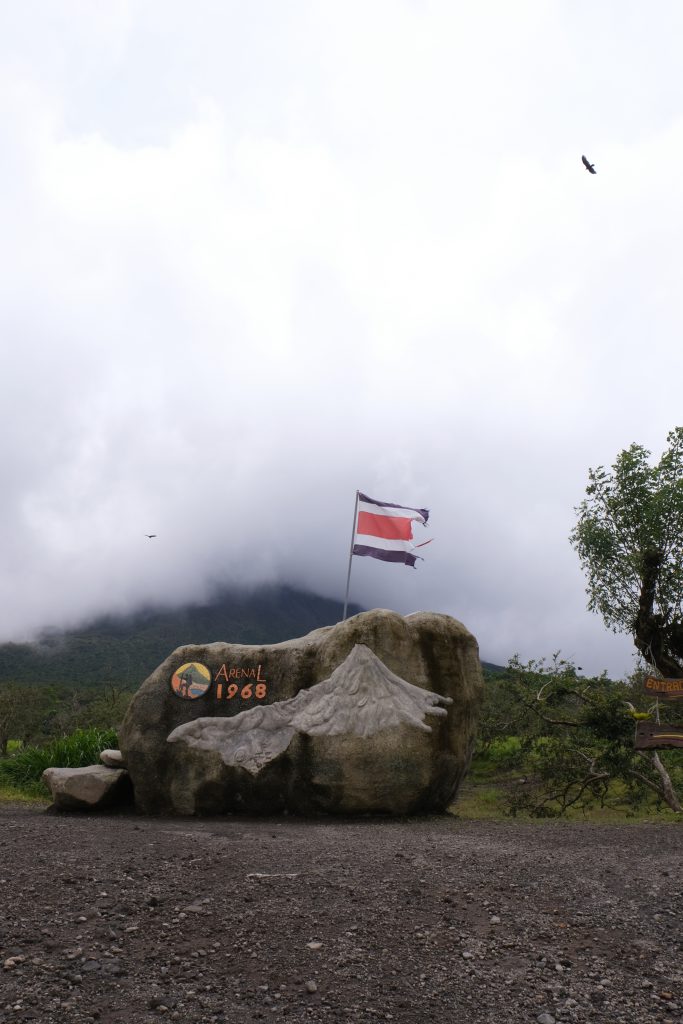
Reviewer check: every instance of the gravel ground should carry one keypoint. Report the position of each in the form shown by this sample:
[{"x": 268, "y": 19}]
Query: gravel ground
[{"x": 123, "y": 919}]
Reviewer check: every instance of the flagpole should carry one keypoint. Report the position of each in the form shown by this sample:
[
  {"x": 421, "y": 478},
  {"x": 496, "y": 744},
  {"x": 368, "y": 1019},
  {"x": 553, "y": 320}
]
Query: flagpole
[{"x": 353, "y": 537}]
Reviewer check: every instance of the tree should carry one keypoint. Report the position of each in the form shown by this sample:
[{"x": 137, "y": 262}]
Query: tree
[
  {"x": 574, "y": 740},
  {"x": 21, "y": 714},
  {"x": 629, "y": 538}
]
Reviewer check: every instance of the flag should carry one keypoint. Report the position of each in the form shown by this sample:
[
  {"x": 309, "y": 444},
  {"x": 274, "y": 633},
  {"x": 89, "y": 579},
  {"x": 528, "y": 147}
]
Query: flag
[{"x": 385, "y": 530}]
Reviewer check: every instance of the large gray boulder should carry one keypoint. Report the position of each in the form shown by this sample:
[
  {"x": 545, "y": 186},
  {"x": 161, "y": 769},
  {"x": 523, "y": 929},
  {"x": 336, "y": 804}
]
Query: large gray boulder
[
  {"x": 92, "y": 788},
  {"x": 375, "y": 714}
]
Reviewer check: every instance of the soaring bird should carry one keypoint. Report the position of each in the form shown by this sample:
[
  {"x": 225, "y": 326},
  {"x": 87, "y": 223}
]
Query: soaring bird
[
  {"x": 150, "y": 535},
  {"x": 589, "y": 167}
]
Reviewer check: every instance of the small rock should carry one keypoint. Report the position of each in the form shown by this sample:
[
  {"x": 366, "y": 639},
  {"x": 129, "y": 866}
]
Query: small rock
[
  {"x": 112, "y": 759},
  {"x": 314, "y": 945},
  {"x": 13, "y": 961},
  {"x": 311, "y": 987},
  {"x": 545, "y": 1018},
  {"x": 494, "y": 920}
]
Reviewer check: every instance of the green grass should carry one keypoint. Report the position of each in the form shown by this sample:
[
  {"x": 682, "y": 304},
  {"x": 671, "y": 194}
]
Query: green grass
[
  {"x": 486, "y": 802},
  {"x": 10, "y": 795},
  {"x": 21, "y": 773},
  {"x": 479, "y": 802},
  {"x": 500, "y": 757}
]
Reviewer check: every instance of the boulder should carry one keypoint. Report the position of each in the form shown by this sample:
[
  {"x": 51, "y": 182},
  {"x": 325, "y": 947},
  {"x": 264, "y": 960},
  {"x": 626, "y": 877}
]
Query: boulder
[
  {"x": 112, "y": 758},
  {"x": 376, "y": 714},
  {"x": 87, "y": 789}
]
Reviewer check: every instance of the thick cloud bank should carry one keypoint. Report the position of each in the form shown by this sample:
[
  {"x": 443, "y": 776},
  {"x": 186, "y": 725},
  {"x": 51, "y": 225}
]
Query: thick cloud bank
[{"x": 254, "y": 258}]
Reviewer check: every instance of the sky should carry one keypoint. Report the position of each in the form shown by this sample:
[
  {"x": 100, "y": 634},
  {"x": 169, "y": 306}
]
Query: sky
[{"x": 255, "y": 257}]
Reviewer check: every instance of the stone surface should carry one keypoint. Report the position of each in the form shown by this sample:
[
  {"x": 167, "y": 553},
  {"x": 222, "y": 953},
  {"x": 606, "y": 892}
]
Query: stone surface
[
  {"x": 375, "y": 714},
  {"x": 362, "y": 697},
  {"x": 112, "y": 758},
  {"x": 87, "y": 789}
]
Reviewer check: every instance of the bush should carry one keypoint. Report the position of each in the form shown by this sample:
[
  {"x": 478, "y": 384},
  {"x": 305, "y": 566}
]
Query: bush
[
  {"x": 571, "y": 737},
  {"x": 24, "y": 770}
]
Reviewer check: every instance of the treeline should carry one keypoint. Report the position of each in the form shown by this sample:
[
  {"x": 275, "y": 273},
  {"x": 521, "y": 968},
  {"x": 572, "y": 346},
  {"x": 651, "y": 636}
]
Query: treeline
[{"x": 33, "y": 716}]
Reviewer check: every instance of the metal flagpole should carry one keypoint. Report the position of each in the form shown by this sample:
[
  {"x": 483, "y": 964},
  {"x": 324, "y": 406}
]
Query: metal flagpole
[{"x": 353, "y": 537}]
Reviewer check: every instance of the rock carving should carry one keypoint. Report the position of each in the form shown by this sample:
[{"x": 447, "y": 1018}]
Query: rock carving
[{"x": 360, "y": 698}]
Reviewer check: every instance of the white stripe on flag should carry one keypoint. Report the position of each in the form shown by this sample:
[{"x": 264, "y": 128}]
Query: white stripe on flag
[
  {"x": 382, "y": 542},
  {"x": 382, "y": 510}
]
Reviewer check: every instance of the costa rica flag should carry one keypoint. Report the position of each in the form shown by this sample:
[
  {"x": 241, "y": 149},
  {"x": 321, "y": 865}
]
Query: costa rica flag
[{"x": 384, "y": 530}]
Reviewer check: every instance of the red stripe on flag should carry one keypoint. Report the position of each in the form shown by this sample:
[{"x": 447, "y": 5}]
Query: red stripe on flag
[{"x": 389, "y": 527}]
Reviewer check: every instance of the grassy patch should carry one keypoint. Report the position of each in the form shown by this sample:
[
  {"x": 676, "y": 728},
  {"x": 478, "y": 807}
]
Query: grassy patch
[
  {"x": 10, "y": 795},
  {"x": 487, "y": 802},
  {"x": 21, "y": 773},
  {"x": 480, "y": 802}
]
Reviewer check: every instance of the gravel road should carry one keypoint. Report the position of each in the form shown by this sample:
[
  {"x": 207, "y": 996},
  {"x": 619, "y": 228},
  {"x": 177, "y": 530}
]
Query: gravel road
[{"x": 122, "y": 920}]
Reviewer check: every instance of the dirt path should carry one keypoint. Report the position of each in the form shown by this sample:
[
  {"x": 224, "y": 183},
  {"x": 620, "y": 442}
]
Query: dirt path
[{"x": 124, "y": 920}]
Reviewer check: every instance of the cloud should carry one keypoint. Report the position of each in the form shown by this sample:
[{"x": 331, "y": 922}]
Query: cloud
[{"x": 253, "y": 260}]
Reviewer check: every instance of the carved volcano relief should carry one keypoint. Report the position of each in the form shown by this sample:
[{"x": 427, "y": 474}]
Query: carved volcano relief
[
  {"x": 361, "y": 698},
  {"x": 376, "y": 714}
]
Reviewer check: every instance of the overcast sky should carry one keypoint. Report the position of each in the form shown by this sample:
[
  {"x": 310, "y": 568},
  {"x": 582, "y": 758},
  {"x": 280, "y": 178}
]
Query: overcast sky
[{"x": 255, "y": 256}]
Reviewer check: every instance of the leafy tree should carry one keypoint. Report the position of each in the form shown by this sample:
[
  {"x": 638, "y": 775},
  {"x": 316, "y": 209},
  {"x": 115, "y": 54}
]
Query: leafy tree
[
  {"x": 11, "y": 701},
  {"x": 37, "y": 714},
  {"x": 22, "y": 713},
  {"x": 629, "y": 538},
  {"x": 106, "y": 710},
  {"x": 575, "y": 740}
]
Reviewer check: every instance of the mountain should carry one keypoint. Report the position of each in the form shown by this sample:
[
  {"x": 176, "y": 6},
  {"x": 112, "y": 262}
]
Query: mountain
[
  {"x": 122, "y": 651},
  {"x": 492, "y": 670}
]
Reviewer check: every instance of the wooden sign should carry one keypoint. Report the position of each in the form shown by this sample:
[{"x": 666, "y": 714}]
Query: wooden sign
[
  {"x": 666, "y": 689},
  {"x": 651, "y": 736}
]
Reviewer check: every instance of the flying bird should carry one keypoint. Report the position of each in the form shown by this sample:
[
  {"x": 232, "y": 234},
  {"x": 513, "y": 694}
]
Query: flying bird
[
  {"x": 150, "y": 535},
  {"x": 589, "y": 167}
]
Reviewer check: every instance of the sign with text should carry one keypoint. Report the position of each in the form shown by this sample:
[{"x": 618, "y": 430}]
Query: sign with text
[
  {"x": 194, "y": 680},
  {"x": 667, "y": 689},
  {"x": 653, "y": 736}
]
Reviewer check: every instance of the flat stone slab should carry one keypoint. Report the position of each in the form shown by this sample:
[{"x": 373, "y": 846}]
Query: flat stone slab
[{"x": 87, "y": 789}]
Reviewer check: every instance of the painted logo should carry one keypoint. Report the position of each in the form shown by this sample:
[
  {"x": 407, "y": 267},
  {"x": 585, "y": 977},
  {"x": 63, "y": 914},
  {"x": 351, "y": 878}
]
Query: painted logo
[{"x": 191, "y": 680}]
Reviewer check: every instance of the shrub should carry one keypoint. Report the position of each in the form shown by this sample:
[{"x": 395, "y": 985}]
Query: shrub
[{"x": 24, "y": 770}]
